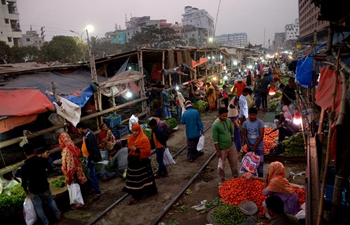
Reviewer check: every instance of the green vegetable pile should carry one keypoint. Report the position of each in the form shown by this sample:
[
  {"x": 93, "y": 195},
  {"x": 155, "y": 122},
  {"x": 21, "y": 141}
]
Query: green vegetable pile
[
  {"x": 228, "y": 215},
  {"x": 294, "y": 146},
  {"x": 273, "y": 103},
  {"x": 11, "y": 204},
  {"x": 98, "y": 168},
  {"x": 59, "y": 183},
  {"x": 148, "y": 133},
  {"x": 200, "y": 105},
  {"x": 112, "y": 166},
  {"x": 171, "y": 122}
]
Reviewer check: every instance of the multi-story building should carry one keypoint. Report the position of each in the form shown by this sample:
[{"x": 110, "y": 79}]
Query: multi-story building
[
  {"x": 10, "y": 31},
  {"x": 136, "y": 23},
  {"x": 194, "y": 36},
  {"x": 308, "y": 15},
  {"x": 198, "y": 19},
  {"x": 279, "y": 41},
  {"x": 178, "y": 28},
  {"x": 233, "y": 40},
  {"x": 292, "y": 30},
  {"x": 31, "y": 38}
]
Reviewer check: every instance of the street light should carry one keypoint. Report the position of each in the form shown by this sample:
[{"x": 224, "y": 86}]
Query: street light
[{"x": 81, "y": 35}]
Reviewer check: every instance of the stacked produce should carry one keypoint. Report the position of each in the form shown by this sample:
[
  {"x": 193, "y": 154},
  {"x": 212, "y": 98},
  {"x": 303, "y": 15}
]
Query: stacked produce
[
  {"x": 60, "y": 183},
  {"x": 294, "y": 145},
  {"x": 269, "y": 141},
  {"x": 236, "y": 190},
  {"x": 171, "y": 122},
  {"x": 273, "y": 103},
  {"x": 228, "y": 215},
  {"x": 200, "y": 105},
  {"x": 11, "y": 203},
  {"x": 148, "y": 133}
]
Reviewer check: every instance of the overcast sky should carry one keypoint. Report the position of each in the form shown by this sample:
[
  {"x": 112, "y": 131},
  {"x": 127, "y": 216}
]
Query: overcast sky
[{"x": 250, "y": 16}]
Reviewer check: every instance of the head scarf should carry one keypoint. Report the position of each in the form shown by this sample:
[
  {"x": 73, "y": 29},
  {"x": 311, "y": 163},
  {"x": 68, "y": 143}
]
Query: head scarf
[
  {"x": 66, "y": 143},
  {"x": 141, "y": 142},
  {"x": 277, "y": 181},
  {"x": 287, "y": 113}
]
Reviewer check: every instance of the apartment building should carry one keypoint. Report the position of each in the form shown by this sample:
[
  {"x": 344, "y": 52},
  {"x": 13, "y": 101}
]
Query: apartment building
[
  {"x": 233, "y": 40},
  {"x": 292, "y": 30},
  {"x": 10, "y": 31},
  {"x": 279, "y": 41},
  {"x": 194, "y": 36},
  {"x": 136, "y": 23},
  {"x": 31, "y": 38},
  {"x": 199, "y": 20},
  {"x": 308, "y": 20}
]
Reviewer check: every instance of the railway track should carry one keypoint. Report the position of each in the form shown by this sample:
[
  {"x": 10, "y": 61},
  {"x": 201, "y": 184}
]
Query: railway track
[{"x": 165, "y": 209}]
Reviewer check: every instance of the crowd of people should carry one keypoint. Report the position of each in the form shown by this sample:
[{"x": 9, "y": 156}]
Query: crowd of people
[{"x": 236, "y": 124}]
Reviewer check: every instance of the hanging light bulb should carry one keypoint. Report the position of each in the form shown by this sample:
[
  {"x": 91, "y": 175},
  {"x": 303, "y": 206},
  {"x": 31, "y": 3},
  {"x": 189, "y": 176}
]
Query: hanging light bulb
[
  {"x": 177, "y": 88},
  {"x": 297, "y": 117},
  {"x": 272, "y": 90},
  {"x": 128, "y": 94}
]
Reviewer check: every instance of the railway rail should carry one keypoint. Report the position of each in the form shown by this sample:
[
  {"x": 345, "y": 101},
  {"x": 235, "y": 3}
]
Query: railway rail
[{"x": 162, "y": 213}]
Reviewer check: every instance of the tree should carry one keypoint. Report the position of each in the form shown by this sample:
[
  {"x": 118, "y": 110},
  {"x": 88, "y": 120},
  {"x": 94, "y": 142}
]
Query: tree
[
  {"x": 60, "y": 48},
  {"x": 107, "y": 48},
  {"x": 82, "y": 49},
  {"x": 154, "y": 37},
  {"x": 4, "y": 52},
  {"x": 23, "y": 54}
]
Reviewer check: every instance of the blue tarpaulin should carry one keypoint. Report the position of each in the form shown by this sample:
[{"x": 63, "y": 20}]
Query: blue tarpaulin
[{"x": 82, "y": 98}]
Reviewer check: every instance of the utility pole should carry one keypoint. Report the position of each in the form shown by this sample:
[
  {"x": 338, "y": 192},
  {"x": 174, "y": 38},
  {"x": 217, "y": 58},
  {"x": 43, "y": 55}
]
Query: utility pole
[
  {"x": 42, "y": 33},
  {"x": 264, "y": 36},
  {"x": 94, "y": 78}
]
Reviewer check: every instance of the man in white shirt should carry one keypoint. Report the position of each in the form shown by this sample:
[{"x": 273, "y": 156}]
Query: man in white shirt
[
  {"x": 179, "y": 102},
  {"x": 134, "y": 118},
  {"x": 266, "y": 69},
  {"x": 243, "y": 105}
]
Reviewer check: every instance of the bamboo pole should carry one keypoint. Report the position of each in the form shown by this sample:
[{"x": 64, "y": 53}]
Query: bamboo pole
[
  {"x": 41, "y": 132},
  {"x": 331, "y": 120},
  {"x": 206, "y": 68},
  {"x": 143, "y": 91},
  {"x": 163, "y": 64},
  {"x": 342, "y": 109}
]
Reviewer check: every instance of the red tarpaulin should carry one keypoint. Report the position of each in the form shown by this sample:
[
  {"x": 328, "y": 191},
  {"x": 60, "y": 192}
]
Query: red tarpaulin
[
  {"x": 23, "y": 102},
  {"x": 201, "y": 61},
  {"x": 325, "y": 90}
]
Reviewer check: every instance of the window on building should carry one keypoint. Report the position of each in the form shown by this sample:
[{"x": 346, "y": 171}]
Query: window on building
[
  {"x": 9, "y": 39},
  {"x": 39, "y": 42},
  {"x": 7, "y": 21},
  {"x": 3, "y": 2},
  {"x": 27, "y": 39}
]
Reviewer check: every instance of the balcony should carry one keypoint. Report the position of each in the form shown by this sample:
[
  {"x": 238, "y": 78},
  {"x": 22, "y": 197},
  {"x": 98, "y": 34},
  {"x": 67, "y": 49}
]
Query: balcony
[{"x": 12, "y": 8}]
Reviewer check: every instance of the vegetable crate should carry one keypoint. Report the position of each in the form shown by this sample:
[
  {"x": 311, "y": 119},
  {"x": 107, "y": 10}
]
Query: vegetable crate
[
  {"x": 112, "y": 120},
  {"x": 328, "y": 196},
  {"x": 120, "y": 132}
]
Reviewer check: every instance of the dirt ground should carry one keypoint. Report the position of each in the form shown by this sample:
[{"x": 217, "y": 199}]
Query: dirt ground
[{"x": 205, "y": 187}]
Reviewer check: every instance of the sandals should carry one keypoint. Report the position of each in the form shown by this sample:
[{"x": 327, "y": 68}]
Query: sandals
[
  {"x": 132, "y": 201},
  {"x": 96, "y": 197},
  {"x": 77, "y": 206}
]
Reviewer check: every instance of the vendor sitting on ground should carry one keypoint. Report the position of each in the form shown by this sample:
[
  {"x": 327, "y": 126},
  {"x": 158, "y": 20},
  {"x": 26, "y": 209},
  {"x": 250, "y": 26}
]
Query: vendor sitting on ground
[
  {"x": 277, "y": 184},
  {"x": 117, "y": 164},
  {"x": 106, "y": 139},
  {"x": 285, "y": 125}
]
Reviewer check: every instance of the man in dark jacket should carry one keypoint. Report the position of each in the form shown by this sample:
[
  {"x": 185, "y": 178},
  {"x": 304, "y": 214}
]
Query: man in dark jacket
[
  {"x": 35, "y": 184},
  {"x": 91, "y": 154},
  {"x": 158, "y": 141}
]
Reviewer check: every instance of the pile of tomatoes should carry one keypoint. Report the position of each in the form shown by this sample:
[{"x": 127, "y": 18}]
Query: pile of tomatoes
[
  {"x": 269, "y": 141},
  {"x": 236, "y": 190}
]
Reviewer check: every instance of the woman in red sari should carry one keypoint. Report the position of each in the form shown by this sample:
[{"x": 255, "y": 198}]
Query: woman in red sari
[
  {"x": 106, "y": 139},
  {"x": 71, "y": 167}
]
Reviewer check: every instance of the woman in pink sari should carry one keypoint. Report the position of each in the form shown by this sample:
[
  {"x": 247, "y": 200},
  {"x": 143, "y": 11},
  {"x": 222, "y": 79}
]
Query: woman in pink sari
[{"x": 106, "y": 139}]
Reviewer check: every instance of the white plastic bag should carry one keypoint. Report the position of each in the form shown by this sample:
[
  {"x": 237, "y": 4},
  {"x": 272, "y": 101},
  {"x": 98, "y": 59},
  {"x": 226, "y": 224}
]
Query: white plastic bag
[
  {"x": 182, "y": 111},
  {"x": 29, "y": 211},
  {"x": 167, "y": 158},
  {"x": 75, "y": 196},
  {"x": 200, "y": 145}
]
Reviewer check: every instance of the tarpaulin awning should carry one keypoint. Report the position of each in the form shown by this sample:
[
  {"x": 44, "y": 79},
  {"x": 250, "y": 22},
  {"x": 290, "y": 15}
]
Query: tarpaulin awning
[
  {"x": 12, "y": 122},
  {"x": 325, "y": 89},
  {"x": 24, "y": 102},
  {"x": 201, "y": 61},
  {"x": 122, "y": 78},
  {"x": 65, "y": 83}
]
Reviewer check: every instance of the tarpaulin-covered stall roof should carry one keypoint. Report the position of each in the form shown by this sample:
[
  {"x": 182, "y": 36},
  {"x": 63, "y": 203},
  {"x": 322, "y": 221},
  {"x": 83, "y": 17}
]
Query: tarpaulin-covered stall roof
[
  {"x": 23, "y": 102},
  {"x": 22, "y": 106},
  {"x": 122, "y": 78},
  {"x": 65, "y": 83}
]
